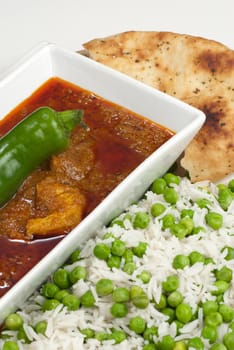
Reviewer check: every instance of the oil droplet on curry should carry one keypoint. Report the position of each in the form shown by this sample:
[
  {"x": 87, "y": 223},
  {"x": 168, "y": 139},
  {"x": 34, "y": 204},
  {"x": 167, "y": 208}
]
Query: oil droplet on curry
[{"x": 67, "y": 187}]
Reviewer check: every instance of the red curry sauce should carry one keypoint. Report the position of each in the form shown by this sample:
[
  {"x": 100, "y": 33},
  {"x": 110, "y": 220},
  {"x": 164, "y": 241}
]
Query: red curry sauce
[{"x": 117, "y": 142}]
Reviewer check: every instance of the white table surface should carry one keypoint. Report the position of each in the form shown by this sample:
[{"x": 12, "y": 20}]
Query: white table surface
[{"x": 68, "y": 23}]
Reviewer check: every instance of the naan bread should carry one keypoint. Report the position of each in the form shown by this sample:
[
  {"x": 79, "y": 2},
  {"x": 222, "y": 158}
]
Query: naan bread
[{"x": 195, "y": 70}]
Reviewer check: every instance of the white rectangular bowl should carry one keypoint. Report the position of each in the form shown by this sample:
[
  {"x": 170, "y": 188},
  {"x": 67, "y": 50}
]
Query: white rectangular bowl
[{"x": 48, "y": 61}]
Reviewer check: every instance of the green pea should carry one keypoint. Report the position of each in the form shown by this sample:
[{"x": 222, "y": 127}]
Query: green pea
[
  {"x": 61, "y": 294},
  {"x": 209, "y": 307},
  {"x": 4, "y": 336},
  {"x": 184, "y": 313},
  {"x": 214, "y": 319},
  {"x": 231, "y": 326},
  {"x": 171, "y": 179},
  {"x": 102, "y": 251},
  {"x": 141, "y": 302},
  {"x": 49, "y": 290},
  {"x": 61, "y": 278},
  {"x": 214, "y": 220},
  {"x": 139, "y": 297},
  {"x": 171, "y": 284},
  {"x": 88, "y": 333},
  {"x": 150, "y": 346},
  {"x": 221, "y": 287},
  {"x": 209, "y": 260},
  {"x": 118, "y": 336},
  {"x": 102, "y": 336},
  {"x": 187, "y": 213},
  {"x": 137, "y": 324},
  {"x": 162, "y": 303},
  {"x": 219, "y": 298},
  {"x": 108, "y": 235},
  {"x": 78, "y": 273},
  {"x": 114, "y": 262},
  {"x": 157, "y": 209},
  {"x": 72, "y": 302},
  {"x": 179, "y": 230},
  {"x": 175, "y": 298},
  {"x": 144, "y": 276},
  {"x": 227, "y": 312},
  {"x": 210, "y": 333},
  {"x": 166, "y": 343},
  {"x": 128, "y": 255},
  {"x": 225, "y": 198},
  {"x": 196, "y": 257},
  {"x": 13, "y": 322},
  {"x": 224, "y": 274},
  {"x": 150, "y": 333},
  {"x": 203, "y": 203},
  {"x": 198, "y": 229},
  {"x": 158, "y": 186},
  {"x": 230, "y": 253},
  {"x": 117, "y": 222},
  {"x": 121, "y": 295},
  {"x": 180, "y": 345},
  {"x": 21, "y": 335},
  {"x": 104, "y": 287},
  {"x": 179, "y": 325},
  {"x": 218, "y": 346},
  {"x": 170, "y": 313},
  {"x": 228, "y": 340},
  {"x": 135, "y": 291},
  {"x": 195, "y": 314},
  {"x": 221, "y": 186},
  {"x": 129, "y": 268},
  {"x": 140, "y": 249},
  {"x": 170, "y": 195},
  {"x": 188, "y": 223},
  {"x": 168, "y": 221},
  {"x": 50, "y": 304},
  {"x": 196, "y": 343},
  {"x": 118, "y": 247},
  {"x": 231, "y": 185},
  {"x": 180, "y": 261},
  {"x": 119, "y": 310},
  {"x": 87, "y": 299},
  {"x": 127, "y": 217},
  {"x": 75, "y": 256},
  {"x": 141, "y": 220},
  {"x": 40, "y": 327},
  {"x": 10, "y": 345}
]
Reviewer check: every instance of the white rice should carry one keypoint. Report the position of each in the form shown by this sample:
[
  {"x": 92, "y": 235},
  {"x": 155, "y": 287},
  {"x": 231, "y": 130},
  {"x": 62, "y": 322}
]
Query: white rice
[{"x": 196, "y": 282}]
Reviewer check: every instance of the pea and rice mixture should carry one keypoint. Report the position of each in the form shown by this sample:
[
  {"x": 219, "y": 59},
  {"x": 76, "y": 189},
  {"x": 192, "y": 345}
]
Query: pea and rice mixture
[{"x": 159, "y": 277}]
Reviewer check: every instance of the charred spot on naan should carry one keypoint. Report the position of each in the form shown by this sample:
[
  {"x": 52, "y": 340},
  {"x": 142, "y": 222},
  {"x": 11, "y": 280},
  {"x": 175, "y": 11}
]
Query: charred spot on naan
[
  {"x": 216, "y": 62},
  {"x": 214, "y": 111}
]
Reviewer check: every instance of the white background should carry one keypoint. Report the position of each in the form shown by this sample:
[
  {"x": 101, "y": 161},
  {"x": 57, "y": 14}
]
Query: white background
[{"x": 68, "y": 23}]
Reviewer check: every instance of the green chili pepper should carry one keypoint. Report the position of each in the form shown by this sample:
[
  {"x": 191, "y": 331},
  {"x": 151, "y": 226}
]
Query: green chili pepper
[{"x": 30, "y": 143}]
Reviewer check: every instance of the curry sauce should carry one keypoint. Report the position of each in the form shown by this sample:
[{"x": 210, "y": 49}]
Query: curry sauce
[{"x": 94, "y": 163}]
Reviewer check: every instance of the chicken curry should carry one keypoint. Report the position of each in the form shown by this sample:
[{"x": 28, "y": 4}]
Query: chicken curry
[{"x": 67, "y": 187}]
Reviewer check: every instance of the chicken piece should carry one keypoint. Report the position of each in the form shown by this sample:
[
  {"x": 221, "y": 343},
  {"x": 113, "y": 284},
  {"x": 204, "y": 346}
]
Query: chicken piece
[
  {"x": 73, "y": 164},
  {"x": 61, "y": 206}
]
